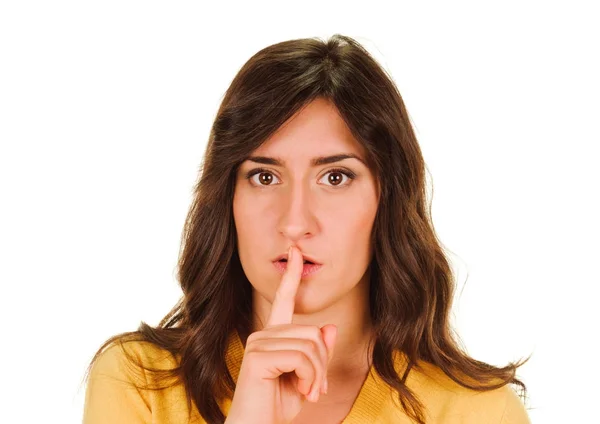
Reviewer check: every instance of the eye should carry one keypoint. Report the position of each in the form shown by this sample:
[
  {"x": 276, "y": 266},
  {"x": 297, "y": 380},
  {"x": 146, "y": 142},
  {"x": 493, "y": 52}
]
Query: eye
[
  {"x": 338, "y": 171},
  {"x": 265, "y": 177}
]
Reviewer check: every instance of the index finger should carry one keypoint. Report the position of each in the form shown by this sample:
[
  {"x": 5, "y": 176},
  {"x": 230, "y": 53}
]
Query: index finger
[{"x": 282, "y": 309}]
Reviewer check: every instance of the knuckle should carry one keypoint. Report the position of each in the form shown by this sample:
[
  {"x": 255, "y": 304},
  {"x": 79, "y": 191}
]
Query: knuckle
[
  {"x": 313, "y": 348},
  {"x": 252, "y": 356},
  {"x": 309, "y": 349},
  {"x": 317, "y": 337},
  {"x": 253, "y": 337},
  {"x": 315, "y": 332},
  {"x": 252, "y": 361},
  {"x": 299, "y": 355}
]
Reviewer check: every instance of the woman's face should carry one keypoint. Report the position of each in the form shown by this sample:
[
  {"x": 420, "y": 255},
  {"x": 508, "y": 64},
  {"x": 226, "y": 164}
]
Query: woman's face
[{"x": 325, "y": 213}]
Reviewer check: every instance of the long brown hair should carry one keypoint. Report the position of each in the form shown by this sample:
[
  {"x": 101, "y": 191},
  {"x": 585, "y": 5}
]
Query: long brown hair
[{"x": 411, "y": 282}]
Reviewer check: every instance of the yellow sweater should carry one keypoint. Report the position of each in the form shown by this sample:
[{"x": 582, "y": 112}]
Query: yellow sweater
[{"x": 111, "y": 398}]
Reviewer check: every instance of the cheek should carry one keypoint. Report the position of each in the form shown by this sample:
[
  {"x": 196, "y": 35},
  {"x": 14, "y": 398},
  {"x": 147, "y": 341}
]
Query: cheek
[
  {"x": 349, "y": 238},
  {"x": 251, "y": 220},
  {"x": 251, "y": 226},
  {"x": 242, "y": 212},
  {"x": 242, "y": 218},
  {"x": 352, "y": 224}
]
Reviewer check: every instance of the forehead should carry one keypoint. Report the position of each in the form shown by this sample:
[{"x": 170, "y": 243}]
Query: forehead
[{"x": 316, "y": 130}]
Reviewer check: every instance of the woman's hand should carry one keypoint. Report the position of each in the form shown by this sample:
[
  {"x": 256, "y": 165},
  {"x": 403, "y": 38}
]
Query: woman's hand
[{"x": 284, "y": 364}]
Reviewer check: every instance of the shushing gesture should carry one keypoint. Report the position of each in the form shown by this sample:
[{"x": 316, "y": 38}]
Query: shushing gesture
[{"x": 284, "y": 364}]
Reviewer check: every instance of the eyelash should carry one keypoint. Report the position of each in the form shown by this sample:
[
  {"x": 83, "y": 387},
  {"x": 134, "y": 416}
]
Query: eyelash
[{"x": 351, "y": 175}]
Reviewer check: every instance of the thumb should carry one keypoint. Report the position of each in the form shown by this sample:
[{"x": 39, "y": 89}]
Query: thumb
[{"x": 329, "y": 333}]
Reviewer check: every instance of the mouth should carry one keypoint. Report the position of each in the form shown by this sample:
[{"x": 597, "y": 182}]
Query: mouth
[
  {"x": 307, "y": 259},
  {"x": 309, "y": 267}
]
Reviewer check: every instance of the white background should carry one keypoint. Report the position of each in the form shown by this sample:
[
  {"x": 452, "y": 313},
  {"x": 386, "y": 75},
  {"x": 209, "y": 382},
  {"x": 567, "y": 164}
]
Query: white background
[{"x": 105, "y": 109}]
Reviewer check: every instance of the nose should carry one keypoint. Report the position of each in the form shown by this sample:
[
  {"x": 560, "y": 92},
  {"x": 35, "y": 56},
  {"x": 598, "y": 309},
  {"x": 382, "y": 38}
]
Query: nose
[{"x": 297, "y": 220}]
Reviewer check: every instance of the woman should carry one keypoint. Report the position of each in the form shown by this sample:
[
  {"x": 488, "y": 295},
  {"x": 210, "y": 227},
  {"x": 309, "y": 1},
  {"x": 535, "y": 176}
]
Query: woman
[{"x": 314, "y": 287}]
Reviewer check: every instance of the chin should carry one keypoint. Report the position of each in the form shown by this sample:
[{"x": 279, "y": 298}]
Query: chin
[{"x": 308, "y": 303}]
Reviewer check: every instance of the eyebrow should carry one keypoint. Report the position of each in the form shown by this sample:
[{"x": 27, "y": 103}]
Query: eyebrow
[{"x": 321, "y": 160}]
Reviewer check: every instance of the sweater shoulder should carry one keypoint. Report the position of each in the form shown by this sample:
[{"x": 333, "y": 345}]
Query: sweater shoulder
[
  {"x": 121, "y": 389},
  {"x": 123, "y": 360},
  {"x": 447, "y": 401}
]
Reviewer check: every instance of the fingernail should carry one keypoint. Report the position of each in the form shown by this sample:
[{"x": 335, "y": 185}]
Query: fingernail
[{"x": 290, "y": 254}]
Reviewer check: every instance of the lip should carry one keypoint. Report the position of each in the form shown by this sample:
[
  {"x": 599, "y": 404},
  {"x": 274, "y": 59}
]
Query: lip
[
  {"x": 304, "y": 257},
  {"x": 307, "y": 270}
]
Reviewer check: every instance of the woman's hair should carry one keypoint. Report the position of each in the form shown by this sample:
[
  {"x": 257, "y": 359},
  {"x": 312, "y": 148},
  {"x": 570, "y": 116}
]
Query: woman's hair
[{"x": 411, "y": 282}]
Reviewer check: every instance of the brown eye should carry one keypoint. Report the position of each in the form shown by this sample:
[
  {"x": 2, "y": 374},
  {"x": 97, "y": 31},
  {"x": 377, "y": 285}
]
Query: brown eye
[
  {"x": 335, "y": 178},
  {"x": 265, "y": 178}
]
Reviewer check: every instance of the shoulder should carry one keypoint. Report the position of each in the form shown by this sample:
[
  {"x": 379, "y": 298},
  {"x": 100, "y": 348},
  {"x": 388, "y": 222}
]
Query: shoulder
[
  {"x": 447, "y": 400},
  {"x": 117, "y": 381},
  {"x": 122, "y": 360}
]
